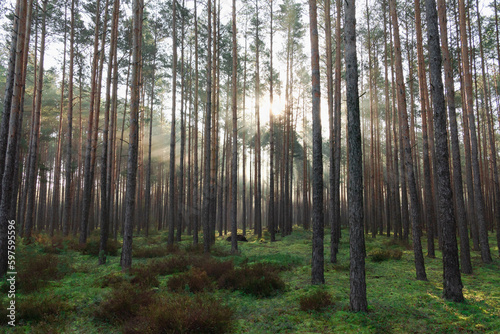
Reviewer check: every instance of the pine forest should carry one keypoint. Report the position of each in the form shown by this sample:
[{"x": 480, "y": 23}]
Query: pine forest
[{"x": 249, "y": 166}]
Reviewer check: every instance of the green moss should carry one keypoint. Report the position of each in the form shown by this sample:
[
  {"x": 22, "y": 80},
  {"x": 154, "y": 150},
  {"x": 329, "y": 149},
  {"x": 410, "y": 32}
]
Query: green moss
[{"x": 397, "y": 302}]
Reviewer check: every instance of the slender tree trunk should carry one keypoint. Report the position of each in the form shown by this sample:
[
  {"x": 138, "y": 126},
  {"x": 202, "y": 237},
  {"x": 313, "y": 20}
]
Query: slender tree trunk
[
  {"x": 493, "y": 150},
  {"x": 337, "y": 125},
  {"x": 408, "y": 161},
  {"x": 430, "y": 216},
  {"x": 478, "y": 196},
  {"x": 87, "y": 183},
  {"x": 234, "y": 162},
  {"x": 14, "y": 127},
  {"x": 196, "y": 217},
  {"x": 126, "y": 259},
  {"x": 207, "y": 139},
  {"x": 329, "y": 89},
  {"x": 358, "y": 300},
  {"x": 318, "y": 223},
  {"x": 35, "y": 136},
  {"x": 173, "y": 218},
  {"x": 107, "y": 144},
  {"x": 272, "y": 219},
  {"x": 68, "y": 195},
  {"x": 258, "y": 190},
  {"x": 452, "y": 283},
  {"x": 9, "y": 89},
  {"x": 466, "y": 266}
]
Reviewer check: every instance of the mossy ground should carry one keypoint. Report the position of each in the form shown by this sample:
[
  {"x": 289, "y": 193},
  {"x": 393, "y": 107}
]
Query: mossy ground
[{"x": 398, "y": 303}]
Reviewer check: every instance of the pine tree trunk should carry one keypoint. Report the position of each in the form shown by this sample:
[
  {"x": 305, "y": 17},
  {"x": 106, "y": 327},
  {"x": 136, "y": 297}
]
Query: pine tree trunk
[
  {"x": 452, "y": 283},
  {"x": 14, "y": 127},
  {"x": 9, "y": 89},
  {"x": 358, "y": 300},
  {"x": 207, "y": 140},
  {"x": 173, "y": 218},
  {"x": 107, "y": 147},
  {"x": 408, "y": 161},
  {"x": 465, "y": 261},
  {"x": 317, "y": 220},
  {"x": 35, "y": 136},
  {"x": 68, "y": 195},
  {"x": 196, "y": 209},
  {"x": 87, "y": 182},
  {"x": 478, "y": 196},
  {"x": 234, "y": 162},
  {"x": 126, "y": 259}
]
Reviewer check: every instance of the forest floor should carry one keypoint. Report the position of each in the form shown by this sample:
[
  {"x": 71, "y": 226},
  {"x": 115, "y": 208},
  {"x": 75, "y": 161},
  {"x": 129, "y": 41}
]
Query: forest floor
[{"x": 61, "y": 290}]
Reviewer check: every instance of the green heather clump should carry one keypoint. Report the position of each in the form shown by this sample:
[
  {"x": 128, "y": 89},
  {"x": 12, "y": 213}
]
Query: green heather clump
[
  {"x": 35, "y": 270},
  {"x": 379, "y": 255},
  {"x": 124, "y": 302},
  {"x": 195, "y": 280},
  {"x": 41, "y": 307},
  {"x": 259, "y": 280},
  {"x": 315, "y": 301},
  {"x": 182, "y": 314},
  {"x": 92, "y": 247}
]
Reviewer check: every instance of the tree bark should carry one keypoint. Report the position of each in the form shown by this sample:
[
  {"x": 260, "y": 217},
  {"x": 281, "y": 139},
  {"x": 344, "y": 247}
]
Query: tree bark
[
  {"x": 408, "y": 161},
  {"x": 452, "y": 283},
  {"x": 478, "y": 196},
  {"x": 234, "y": 162},
  {"x": 317, "y": 220},
  {"x": 126, "y": 260}
]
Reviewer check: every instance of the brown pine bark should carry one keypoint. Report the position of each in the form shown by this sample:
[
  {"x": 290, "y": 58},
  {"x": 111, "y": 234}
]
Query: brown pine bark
[
  {"x": 358, "y": 300},
  {"x": 35, "y": 135},
  {"x": 429, "y": 211},
  {"x": 408, "y": 161},
  {"x": 207, "y": 139},
  {"x": 68, "y": 194},
  {"x": 234, "y": 162},
  {"x": 452, "y": 283},
  {"x": 272, "y": 221},
  {"x": 258, "y": 185},
  {"x": 9, "y": 89},
  {"x": 14, "y": 128},
  {"x": 478, "y": 196},
  {"x": 172, "y": 217},
  {"x": 107, "y": 147},
  {"x": 466, "y": 266},
  {"x": 126, "y": 259},
  {"x": 196, "y": 216},
  {"x": 87, "y": 182},
  {"x": 317, "y": 213}
]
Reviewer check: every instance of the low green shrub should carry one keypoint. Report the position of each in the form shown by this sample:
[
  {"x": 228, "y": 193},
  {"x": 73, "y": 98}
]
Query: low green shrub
[
  {"x": 259, "y": 280},
  {"x": 124, "y": 302},
  {"x": 379, "y": 255},
  {"x": 195, "y": 280},
  {"x": 35, "y": 270},
  {"x": 41, "y": 307},
  {"x": 149, "y": 251},
  {"x": 315, "y": 301},
  {"x": 93, "y": 244},
  {"x": 214, "y": 268},
  {"x": 172, "y": 265},
  {"x": 182, "y": 314},
  {"x": 144, "y": 276},
  {"x": 110, "y": 280}
]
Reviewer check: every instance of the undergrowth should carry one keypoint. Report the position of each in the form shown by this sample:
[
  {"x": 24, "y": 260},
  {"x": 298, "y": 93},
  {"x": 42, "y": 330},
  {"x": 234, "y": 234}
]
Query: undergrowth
[{"x": 264, "y": 289}]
